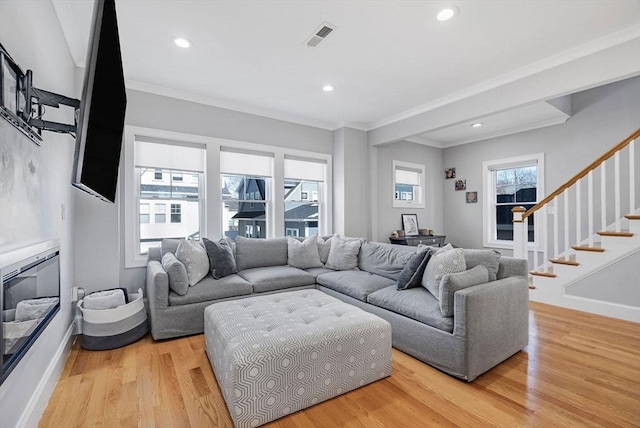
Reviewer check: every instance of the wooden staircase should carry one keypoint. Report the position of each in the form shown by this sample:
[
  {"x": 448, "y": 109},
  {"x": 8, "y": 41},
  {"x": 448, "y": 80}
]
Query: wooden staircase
[{"x": 575, "y": 218}]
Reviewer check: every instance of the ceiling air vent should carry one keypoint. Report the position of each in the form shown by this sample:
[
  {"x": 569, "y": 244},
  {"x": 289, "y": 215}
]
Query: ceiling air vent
[{"x": 320, "y": 34}]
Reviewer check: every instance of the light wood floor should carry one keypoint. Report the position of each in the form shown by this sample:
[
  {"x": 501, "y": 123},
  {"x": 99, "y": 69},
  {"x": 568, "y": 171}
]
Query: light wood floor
[{"x": 579, "y": 370}]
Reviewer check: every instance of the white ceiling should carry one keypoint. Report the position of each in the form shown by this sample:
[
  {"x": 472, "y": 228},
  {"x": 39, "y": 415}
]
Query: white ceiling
[{"x": 388, "y": 60}]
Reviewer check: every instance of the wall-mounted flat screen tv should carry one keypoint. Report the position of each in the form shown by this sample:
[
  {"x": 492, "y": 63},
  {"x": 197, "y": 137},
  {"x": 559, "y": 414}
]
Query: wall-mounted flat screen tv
[{"x": 102, "y": 108}]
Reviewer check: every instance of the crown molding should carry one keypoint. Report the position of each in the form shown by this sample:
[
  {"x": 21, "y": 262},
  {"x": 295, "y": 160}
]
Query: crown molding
[
  {"x": 606, "y": 42},
  {"x": 228, "y": 105},
  {"x": 425, "y": 142}
]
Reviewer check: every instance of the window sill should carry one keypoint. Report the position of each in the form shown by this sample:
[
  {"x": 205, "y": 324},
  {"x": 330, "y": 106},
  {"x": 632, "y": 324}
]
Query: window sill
[{"x": 399, "y": 204}]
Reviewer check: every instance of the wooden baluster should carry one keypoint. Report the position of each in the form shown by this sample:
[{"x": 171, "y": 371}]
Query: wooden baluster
[
  {"x": 616, "y": 174},
  {"x": 578, "y": 214},
  {"x": 603, "y": 195},
  {"x": 632, "y": 177},
  {"x": 567, "y": 243},
  {"x": 591, "y": 231},
  {"x": 556, "y": 246}
]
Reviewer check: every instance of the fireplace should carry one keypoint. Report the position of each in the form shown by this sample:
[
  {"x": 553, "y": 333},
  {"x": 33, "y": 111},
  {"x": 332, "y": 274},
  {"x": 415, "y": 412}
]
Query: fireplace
[{"x": 30, "y": 298}]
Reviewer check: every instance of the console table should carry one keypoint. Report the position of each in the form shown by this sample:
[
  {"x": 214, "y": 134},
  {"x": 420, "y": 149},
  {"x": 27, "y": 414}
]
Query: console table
[{"x": 431, "y": 240}]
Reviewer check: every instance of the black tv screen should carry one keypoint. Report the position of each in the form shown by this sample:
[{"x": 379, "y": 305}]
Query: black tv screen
[{"x": 102, "y": 108}]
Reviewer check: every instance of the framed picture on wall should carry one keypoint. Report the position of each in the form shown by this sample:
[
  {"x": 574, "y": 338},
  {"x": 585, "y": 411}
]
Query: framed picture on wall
[
  {"x": 472, "y": 197},
  {"x": 450, "y": 173},
  {"x": 410, "y": 224},
  {"x": 461, "y": 184}
]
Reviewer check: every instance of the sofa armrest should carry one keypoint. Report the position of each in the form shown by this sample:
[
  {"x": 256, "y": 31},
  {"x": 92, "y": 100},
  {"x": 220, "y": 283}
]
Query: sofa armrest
[
  {"x": 157, "y": 286},
  {"x": 493, "y": 320}
]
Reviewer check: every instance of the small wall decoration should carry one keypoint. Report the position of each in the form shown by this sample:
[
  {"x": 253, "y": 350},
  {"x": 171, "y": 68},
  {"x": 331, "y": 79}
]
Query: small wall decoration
[
  {"x": 461, "y": 184},
  {"x": 410, "y": 224},
  {"x": 472, "y": 197},
  {"x": 450, "y": 173}
]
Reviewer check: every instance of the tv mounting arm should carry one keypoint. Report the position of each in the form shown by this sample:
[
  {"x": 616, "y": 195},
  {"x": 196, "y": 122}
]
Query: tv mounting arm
[{"x": 45, "y": 98}]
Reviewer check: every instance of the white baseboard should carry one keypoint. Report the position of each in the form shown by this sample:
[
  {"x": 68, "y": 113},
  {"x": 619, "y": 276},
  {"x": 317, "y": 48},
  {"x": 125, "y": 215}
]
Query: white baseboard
[{"x": 39, "y": 400}]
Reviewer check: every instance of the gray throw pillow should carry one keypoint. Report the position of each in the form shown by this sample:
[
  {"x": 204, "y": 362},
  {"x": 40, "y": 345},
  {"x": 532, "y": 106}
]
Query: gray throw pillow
[
  {"x": 412, "y": 272},
  {"x": 221, "y": 260},
  {"x": 177, "y": 273},
  {"x": 452, "y": 282},
  {"x": 343, "y": 254},
  {"x": 487, "y": 258},
  {"x": 303, "y": 255},
  {"x": 441, "y": 263},
  {"x": 195, "y": 260}
]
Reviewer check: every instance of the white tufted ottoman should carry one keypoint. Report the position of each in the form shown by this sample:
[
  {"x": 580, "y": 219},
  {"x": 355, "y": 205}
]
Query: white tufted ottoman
[{"x": 276, "y": 354}]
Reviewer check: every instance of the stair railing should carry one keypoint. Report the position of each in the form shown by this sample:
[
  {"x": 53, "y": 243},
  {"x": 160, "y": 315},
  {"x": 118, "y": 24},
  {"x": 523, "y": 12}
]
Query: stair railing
[{"x": 548, "y": 244}]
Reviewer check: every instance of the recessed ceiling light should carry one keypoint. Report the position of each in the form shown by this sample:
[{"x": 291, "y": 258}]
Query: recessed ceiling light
[
  {"x": 327, "y": 88},
  {"x": 447, "y": 13},
  {"x": 181, "y": 42},
  {"x": 477, "y": 124}
]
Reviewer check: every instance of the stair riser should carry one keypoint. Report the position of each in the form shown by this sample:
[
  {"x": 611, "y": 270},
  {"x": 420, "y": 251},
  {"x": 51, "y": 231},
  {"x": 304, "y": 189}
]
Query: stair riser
[
  {"x": 566, "y": 271},
  {"x": 620, "y": 243},
  {"x": 634, "y": 226}
]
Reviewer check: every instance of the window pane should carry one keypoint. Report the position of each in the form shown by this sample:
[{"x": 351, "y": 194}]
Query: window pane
[
  {"x": 504, "y": 222},
  {"x": 160, "y": 213},
  {"x": 405, "y": 192},
  {"x": 177, "y": 216},
  {"x": 240, "y": 214},
  {"x": 301, "y": 208}
]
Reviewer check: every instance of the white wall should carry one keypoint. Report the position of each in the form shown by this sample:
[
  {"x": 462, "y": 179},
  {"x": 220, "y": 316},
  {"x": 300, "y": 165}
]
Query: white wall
[
  {"x": 601, "y": 118},
  {"x": 31, "y": 34},
  {"x": 388, "y": 218}
]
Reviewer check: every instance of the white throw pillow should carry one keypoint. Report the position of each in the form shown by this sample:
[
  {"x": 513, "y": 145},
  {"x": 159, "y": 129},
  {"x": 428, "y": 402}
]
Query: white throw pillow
[
  {"x": 303, "y": 254},
  {"x": 324, "y": 247},
  {"x": 343, "y": 254},
  {"x": 195, "y": 260},
  {"x": 441, "y": 263}
]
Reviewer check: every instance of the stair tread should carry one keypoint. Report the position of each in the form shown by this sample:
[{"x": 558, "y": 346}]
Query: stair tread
[
  {"x": 632, "y": 217},
  {"x": 545, "y": 274},
  {"x": 565, "y": 262},
  {"x": 587, "y": 248},
  {"x": 622, "y": 233}
]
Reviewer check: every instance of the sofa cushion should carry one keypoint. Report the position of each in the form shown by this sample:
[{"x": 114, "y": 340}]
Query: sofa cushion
[
  {"x": 442, "y": 262},
  {"x": 221, "y": 259},
  {"x": 384, "y": 259},
  {"x": 354, "y": 283},
  {"x": 415, "y": 303},
  {"x": 212, "y": 289},
  {"x": 178, "y": 278},
  {"x": 256, "y": 252},
  {"x": 303, "y": 254},
  {"x": 487, "y": 258},
  {"x": 343, "y": 254},
  {"x": 276, "y": 278},
  {"x": 169, "y": 245},
  {"x": 452, "y": 282},
  {"x": 411, "y": 274},
  {"x": 195, "y": 260},
  {"x": 319, "y": 271}
]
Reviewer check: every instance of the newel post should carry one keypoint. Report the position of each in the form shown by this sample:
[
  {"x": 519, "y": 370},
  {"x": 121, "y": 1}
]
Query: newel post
[{"x": 519, "y": 233}]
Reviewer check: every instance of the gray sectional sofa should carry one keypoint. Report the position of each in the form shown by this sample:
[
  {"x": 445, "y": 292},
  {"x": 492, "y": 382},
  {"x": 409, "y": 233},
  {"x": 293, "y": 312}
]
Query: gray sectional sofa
[{"x": 482, "y": 322}]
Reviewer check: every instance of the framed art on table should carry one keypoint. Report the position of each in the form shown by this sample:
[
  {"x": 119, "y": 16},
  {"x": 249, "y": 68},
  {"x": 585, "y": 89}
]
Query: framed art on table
[{"x": 410, "y": 224}]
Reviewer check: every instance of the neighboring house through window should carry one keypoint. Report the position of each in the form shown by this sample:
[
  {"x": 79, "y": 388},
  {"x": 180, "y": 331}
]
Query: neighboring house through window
[
  {"x": 509, "y": 183},
  {"x": 408, "y": 185}
]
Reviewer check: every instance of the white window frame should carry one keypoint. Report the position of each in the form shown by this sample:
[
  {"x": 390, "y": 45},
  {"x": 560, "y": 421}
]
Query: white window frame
[
  {"x": 292, "y": 231},
  {"x": 489, "y": 186},
  {"x": 210, "y": 213},
  {"x": 418, "y": 201}
]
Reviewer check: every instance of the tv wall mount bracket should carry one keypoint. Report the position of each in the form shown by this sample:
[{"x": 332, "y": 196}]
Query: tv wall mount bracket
[{"x": 23, "y": 105}]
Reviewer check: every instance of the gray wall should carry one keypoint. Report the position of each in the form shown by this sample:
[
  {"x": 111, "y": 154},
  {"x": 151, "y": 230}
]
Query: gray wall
[
  {"x": 350, "y": 183},
  {"x": 388, "y": 218},
  {"x": 601, "y": 118},
  {"x": 30, "y": 32}
]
